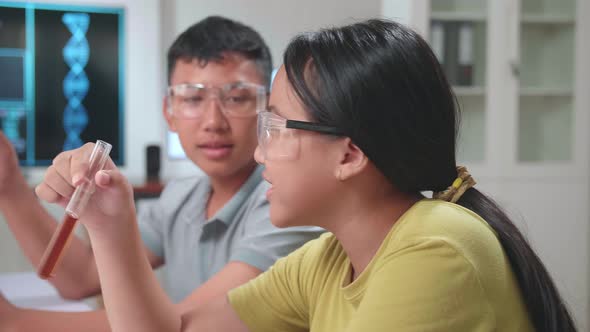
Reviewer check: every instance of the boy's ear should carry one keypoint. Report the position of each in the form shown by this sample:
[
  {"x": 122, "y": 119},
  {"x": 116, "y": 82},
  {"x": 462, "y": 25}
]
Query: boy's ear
[{"x": 167, "y": 112}]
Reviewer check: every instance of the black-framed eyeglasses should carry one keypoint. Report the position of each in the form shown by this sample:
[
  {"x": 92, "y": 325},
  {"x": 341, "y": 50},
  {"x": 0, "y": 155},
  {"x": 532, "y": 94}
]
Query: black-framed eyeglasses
[{"x": 276, "y": 140}]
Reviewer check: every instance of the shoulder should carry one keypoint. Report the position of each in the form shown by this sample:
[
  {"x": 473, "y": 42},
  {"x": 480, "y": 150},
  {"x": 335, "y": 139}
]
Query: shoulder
[
  {"x": 258, "y": 195},
  {"x": 445, "y": 221},
  {"x": 322, "y": 253},
  {"x": 256, "y": 224},
  {"x": 185, "y": 184},
  {"x": 254, "y": 209},
  {"x": 451, "y": 227},
  {"x": 178, "y": 192}
]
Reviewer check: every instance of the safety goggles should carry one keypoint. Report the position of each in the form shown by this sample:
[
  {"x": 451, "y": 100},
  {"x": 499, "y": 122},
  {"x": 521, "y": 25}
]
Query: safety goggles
[
  {"x": 278, "y": 139},
  {"x": 189, "y": 101}
]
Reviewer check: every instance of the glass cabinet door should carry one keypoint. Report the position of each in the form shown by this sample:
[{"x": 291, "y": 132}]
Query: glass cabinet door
[
  {"x": 546, "y": 80},
  {"x": 458, "y": 36}
]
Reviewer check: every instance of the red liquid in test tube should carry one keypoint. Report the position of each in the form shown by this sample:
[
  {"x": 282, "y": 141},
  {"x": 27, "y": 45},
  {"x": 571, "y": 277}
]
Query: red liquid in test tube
[{"x": 63, "y": 233}]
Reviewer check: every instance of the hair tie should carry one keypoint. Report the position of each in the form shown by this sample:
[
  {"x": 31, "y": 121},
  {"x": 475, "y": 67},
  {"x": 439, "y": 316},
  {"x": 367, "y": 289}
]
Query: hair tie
[{"x": 454, "y": 192}]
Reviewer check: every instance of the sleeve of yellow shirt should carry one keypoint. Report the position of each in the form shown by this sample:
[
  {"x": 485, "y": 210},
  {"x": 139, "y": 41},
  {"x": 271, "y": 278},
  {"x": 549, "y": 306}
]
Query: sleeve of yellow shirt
[
  {"x": 275, "y": 300},
  {"x": 428, "y": 286}
]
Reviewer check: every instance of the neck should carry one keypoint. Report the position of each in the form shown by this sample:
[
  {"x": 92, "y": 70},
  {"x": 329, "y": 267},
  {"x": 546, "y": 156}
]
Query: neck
[
  {"x": 224, "y": 188},
  {"x": 364, "y": 224}
]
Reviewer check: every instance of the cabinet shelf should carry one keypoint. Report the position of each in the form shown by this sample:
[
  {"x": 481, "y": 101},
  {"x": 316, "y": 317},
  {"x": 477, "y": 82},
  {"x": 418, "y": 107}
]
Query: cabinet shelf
[
  {"x": 547, "y": 19},
  {"x": 458, "y": 16},
  {"x": 545, "y": 92},
  {"x": 469, "y": 91}
]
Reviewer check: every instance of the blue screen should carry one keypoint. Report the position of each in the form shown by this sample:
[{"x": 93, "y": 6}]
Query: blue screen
[{"x": 62, "y": 82}]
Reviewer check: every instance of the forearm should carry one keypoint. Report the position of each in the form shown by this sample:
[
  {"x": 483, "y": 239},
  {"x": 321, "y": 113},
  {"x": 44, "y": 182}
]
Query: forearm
[
  {"x": 32, "y": 226},
  {"x": 25, "y": 320},
  {"x": 133, "y": 297},
  {"x": 27, "y": 219},
  {"x": 232, "y": 275}
]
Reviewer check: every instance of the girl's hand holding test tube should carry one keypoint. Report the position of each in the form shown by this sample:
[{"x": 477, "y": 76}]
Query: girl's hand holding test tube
[
  {"x": 86, "y": 182},
  {"x": 128, "y": 285}
]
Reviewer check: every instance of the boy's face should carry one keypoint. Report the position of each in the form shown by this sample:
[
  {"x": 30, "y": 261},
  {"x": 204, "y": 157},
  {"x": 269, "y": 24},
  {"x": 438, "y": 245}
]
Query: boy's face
[{"x": 221, "y": 145}]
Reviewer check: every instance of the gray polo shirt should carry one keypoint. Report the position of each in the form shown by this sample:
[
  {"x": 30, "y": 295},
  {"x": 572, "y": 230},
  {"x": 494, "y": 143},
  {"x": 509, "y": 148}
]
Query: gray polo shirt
[{"x": 194, "y": 249}]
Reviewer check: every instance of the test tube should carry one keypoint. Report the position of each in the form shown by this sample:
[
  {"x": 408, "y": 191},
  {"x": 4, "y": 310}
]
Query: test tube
[{"x": 61, "y": 236}]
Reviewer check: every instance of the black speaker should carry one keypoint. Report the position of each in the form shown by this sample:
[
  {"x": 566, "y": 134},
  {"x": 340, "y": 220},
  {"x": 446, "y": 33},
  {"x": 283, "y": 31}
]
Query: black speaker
[{"x": 152, "y": 162}]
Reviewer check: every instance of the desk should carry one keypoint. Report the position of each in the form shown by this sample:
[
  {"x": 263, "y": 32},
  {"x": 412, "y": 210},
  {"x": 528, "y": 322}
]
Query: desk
[
  {"x": 150, "y": 189},
  {"x": 26, "y": 290}
]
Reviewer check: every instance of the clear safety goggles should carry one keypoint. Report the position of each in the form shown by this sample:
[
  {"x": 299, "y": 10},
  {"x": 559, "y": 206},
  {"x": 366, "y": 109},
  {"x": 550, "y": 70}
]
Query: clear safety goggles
[
  {"x": 278, "y": 139},
  {"x": 189, "y": 101}
]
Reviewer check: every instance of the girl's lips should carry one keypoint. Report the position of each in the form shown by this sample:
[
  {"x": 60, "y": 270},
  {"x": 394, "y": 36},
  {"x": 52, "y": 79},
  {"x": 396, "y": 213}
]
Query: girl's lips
[
  {"x": 266, "y": 178},
  {"x": 269, "y": 191}
]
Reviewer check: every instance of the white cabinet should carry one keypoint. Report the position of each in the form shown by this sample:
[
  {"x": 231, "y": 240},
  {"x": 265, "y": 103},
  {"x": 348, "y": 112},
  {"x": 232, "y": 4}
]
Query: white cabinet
[
  {"x": 545, "y": 67},
  {"x": 516, "y": 70},
  {"x": 521, "y": 73},
  {"x": 458, "y": 35}
]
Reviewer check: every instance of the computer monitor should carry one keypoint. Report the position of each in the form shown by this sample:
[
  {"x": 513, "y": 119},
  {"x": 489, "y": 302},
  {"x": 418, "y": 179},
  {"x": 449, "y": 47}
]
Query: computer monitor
[{"x": 62, "y": 81}]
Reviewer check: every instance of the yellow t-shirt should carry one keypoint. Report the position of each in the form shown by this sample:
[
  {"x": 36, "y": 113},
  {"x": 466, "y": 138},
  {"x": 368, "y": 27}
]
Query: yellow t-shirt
[{"x": 440, "y": 268}]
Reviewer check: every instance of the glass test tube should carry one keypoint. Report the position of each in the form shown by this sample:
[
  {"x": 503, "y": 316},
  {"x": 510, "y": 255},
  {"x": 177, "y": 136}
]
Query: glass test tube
[{"x": 63, "y": 233}]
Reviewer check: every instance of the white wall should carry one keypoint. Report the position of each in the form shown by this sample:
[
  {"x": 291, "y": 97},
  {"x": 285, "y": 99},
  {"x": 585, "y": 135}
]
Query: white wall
[
  {"x": 407, "y": 12},
  {"x": 277, "y": 21}
]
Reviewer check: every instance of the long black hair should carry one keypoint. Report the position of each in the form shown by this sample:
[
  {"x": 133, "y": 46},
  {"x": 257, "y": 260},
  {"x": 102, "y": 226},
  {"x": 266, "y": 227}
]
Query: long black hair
[{"x": 381, "y": 83}]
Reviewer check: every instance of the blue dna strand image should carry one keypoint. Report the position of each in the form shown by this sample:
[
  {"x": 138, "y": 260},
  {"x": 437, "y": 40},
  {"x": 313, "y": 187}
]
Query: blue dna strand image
[
  {"x": 9, "y": 123},
  {"x": 75, "y": 84},
  {"x": 62, "y": 78}
]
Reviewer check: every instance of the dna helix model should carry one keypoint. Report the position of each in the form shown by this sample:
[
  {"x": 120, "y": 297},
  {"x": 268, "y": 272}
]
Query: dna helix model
[{"x": 75, "y": 84}]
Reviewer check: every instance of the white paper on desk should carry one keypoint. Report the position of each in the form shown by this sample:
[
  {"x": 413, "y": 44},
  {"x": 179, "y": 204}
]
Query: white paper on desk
[{"x": 26, "y": 290}]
